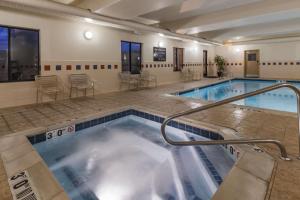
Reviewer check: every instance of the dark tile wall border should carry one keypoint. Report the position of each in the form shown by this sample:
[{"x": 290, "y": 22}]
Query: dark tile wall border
[
  {"x": 267, "y": 63},
  {"x": 58, "y": 67},
  {"x": 69, "y": 67},
  {"x": 47, "y": 67}
]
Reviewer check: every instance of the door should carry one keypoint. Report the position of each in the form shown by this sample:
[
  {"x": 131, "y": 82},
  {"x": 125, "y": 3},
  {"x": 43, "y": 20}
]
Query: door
[
  {"x": 252, "y": 63},
  {"x": 204, "y": 63},
  {"x": 178, "y": 58},
  {"x": 136, "y": 49},
  {"x": 131, "y": 56}
]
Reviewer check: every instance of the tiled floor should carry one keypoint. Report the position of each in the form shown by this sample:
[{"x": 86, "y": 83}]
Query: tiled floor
[{"x": 250, "y": 123}]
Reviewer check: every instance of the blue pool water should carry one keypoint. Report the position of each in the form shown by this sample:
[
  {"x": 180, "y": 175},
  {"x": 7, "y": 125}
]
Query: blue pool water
[
  {"x": 127, "y": 159},
  {"x": 282, "y": 99}
]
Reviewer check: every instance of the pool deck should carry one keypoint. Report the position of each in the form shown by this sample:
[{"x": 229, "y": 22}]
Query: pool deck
[{"x": 248, "y": 122}]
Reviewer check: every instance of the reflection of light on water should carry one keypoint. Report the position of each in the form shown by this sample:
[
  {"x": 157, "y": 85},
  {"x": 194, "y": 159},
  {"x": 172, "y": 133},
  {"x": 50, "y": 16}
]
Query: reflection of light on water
[
  {"x": 121, "y": 164},
  {"x": 155, "y": 197},
  {"x": 112, "y": 192},
  {"x": 90, "y": 163}
]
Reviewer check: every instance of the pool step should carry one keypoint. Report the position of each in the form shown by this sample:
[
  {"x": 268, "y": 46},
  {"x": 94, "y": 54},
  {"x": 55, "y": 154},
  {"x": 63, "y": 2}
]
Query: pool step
[
  {"x": 210, "y": 167},
  {"x": 188, "y": 188}
]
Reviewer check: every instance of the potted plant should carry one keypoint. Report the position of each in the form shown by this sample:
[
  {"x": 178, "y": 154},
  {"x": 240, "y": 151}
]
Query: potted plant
[{"x": 220, "y": 62}]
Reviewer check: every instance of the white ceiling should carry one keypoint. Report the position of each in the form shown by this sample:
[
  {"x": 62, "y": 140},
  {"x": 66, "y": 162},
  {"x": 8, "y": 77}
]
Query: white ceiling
[
  {"x": 190, "y": 8},
  {"x": 219, "y": 20}
]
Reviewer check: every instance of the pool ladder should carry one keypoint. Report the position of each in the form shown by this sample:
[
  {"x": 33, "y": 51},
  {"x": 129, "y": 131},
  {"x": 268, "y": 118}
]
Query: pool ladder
[{"x": 281, "y": 147}]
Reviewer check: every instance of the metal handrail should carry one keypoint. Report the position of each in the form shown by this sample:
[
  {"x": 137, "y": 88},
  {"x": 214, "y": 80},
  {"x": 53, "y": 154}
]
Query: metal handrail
[{"x": 281, "y": 147}]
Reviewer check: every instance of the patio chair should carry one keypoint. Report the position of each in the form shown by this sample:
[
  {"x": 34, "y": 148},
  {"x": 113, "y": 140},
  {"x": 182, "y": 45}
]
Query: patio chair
[
  {"x": 197, "y": 74},
  {"x": 47, "y": 85},
  {"x": 127, "y": 79},
  {"x": 186, "y": 74},
  {"x": 81, "y": 82},
  {"x": 146, "y": 79}
]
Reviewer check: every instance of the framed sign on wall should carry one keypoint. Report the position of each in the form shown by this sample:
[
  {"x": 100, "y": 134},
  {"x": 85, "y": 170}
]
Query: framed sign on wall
[{"x": 159, "y": 54}]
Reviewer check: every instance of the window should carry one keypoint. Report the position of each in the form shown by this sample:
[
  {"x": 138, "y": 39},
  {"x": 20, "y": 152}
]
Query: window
[
  {"x": 3, "y": 54},
  {"x": 252, "y": 57},
  {"x": 19, "y": 54},
  {"x": 131, "y": 53}
]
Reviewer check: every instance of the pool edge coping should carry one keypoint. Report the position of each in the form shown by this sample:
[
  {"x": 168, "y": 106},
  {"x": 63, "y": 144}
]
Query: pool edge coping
[{"x": 240, "y": 164}]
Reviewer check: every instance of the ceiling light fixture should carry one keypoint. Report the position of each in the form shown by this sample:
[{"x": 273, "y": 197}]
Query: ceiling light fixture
[
  {"x": 88, "y": 35},
  {"x": 161, "y": 34}
]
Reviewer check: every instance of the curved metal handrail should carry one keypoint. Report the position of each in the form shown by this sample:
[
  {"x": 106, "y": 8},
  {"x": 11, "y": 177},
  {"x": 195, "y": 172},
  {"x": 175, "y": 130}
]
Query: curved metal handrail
[{"x": 281, "y": 147}]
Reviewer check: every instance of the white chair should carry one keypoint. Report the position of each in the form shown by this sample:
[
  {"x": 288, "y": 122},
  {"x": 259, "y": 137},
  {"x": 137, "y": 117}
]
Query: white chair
[
  {"x": 47, "y": 85},
  {"x": 147, "y": 79},
  {"x": 197, "y": 74},
  {"x": 81, "y": 82},
  {"x": 186, "y": 74},
  {"x": 128, "y": 80}
]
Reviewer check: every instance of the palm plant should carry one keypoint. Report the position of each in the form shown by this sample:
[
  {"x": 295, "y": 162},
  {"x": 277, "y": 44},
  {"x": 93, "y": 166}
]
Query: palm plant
[{"x": 220, "y": 62}]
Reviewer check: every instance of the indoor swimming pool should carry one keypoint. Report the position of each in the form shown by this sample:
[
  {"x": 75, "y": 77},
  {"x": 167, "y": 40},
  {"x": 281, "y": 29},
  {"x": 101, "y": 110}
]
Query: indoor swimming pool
[
  {"x": 282, "y": 99},
  {"x": 126, "y": 158}
]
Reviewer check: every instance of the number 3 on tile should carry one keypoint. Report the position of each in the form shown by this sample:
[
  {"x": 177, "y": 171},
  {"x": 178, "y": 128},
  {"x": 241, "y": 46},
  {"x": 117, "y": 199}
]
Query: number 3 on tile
[
  {"x": 49, "y": 135},
  {"x": 60, "y": 132}
]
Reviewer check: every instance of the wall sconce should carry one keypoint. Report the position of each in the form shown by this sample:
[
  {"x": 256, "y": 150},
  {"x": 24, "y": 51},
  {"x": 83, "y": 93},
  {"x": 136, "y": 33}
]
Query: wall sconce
[
  {"x": 88, "y": 35},
  {"x": 238, "y": 50}
]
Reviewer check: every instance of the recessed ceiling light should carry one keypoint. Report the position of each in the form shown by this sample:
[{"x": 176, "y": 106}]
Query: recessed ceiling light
[
  {"x": 88, "y": 20},
  {"x": 161, "y": 34},
  {"x": 195, "y": 41}
]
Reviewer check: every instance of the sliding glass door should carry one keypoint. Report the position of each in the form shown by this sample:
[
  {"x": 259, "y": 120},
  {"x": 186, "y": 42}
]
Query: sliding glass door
[
  {"x": 135, "y": 58},
  {"x": 125, "y": 54},
  {"x": 131, "y": 56}
]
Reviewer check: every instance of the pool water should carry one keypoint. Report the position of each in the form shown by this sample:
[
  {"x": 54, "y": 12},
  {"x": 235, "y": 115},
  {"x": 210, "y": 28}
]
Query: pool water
[
  {"x": 282, "y": 99},
  {"x": 127, "y": 159}
]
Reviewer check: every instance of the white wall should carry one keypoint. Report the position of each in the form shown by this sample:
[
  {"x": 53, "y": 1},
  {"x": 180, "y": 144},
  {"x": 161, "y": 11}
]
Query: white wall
[
  {"x": 271, "y": 55},
  {"x": 62, "y": 42}
]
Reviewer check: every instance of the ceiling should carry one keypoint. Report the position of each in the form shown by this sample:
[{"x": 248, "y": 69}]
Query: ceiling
[{"x": 219, "y": 20}]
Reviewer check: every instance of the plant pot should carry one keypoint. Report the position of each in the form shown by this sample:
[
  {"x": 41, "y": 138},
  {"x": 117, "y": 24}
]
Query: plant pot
[{"x": 220, "y": 74}]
